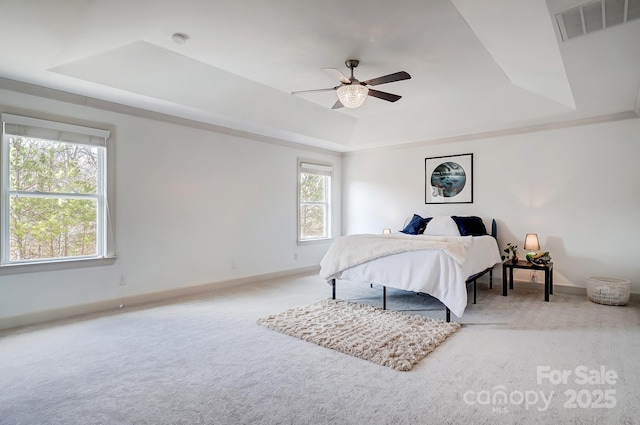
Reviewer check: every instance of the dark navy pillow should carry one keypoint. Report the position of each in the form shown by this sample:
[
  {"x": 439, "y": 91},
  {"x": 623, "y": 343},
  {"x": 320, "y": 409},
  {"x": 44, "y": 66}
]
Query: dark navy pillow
[
  {"x": 416, "y": 226},
  {"x": 470, "y": 226}
]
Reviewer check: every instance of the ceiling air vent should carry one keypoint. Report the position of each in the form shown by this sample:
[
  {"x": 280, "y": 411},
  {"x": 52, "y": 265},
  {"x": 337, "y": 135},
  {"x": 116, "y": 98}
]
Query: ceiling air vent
[{"x": 596, "y": 15}]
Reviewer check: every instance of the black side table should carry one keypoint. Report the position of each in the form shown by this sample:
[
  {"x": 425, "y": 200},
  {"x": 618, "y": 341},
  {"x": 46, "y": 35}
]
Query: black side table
[{"x": 548, "y": 275}]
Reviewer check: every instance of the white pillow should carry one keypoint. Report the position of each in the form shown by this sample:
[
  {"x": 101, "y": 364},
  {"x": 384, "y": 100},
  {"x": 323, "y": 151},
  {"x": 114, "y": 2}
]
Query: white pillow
[{"x": 442, "y": 225}]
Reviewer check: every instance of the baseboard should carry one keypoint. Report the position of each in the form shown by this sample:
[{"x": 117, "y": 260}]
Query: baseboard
[
  {"x": 559, "y": 289},
  {"x": 114, "y": 305},
  {"x": 136, "y": 300}
]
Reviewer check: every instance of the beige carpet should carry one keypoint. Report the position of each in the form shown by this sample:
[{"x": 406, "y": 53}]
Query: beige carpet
[
  {"x": 203, "y": 360},
  {"x": 389, "y": 338}
]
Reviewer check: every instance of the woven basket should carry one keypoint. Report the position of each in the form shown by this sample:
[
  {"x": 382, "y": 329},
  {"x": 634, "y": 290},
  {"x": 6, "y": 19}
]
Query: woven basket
[{"x": 608, "y": 290}]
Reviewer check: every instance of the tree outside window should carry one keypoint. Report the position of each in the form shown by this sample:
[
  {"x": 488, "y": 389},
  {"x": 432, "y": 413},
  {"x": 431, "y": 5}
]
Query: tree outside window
[
  {"x": 53, "y": 191},
  {"x": 314, "y": 201},
  {"x": 47, "y": 217}
]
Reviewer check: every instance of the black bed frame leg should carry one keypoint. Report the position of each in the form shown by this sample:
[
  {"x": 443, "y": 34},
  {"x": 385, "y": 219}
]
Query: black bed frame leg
[
  {"x": 491, "y": 279},
  {"x": 475, "y": 288},
  {"x": 448, "y": 315},
  {"x": 384, "y": 297},
  {"x": 333, "y": 289}
]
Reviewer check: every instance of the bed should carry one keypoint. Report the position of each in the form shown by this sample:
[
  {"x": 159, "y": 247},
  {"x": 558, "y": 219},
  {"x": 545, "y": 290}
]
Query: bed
[{"x": 437, "y": 256}]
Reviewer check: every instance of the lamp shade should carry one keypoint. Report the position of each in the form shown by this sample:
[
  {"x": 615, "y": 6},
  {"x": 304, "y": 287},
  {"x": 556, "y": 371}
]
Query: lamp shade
[
  {"x": 531, "y": 242},
  {"x": 352, "y": 95}
]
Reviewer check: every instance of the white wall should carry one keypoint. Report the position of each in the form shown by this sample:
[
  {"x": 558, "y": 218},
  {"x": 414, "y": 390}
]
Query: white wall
[
  {"x": 577, "y": 188},
  {"x": 189, "y": 202}
]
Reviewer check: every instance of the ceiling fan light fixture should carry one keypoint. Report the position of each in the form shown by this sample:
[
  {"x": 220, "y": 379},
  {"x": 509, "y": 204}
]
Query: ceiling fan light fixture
[{"x": 352, "y": 95}]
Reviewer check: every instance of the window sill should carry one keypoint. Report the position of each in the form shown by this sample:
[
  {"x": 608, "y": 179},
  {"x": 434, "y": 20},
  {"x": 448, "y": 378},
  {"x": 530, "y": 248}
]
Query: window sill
[
  {"x": 315, "y": 241},
  {"x": 55, "y": 265}
]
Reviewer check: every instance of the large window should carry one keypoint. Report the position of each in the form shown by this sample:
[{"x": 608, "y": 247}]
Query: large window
[
  {"x": 54, "y": 192},
  {"x": 314, "y": 201}
]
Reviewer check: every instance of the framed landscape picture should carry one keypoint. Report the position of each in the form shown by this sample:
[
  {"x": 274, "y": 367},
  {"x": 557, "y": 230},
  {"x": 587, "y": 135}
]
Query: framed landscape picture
[{"x": 449, "y": 179}]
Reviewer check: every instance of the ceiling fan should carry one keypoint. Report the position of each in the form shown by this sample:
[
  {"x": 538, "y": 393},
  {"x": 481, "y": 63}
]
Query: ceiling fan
[{"x": 352, "y": 93}]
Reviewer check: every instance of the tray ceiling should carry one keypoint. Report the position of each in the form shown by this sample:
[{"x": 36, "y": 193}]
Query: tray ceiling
[{"x": 476, "y": 67}]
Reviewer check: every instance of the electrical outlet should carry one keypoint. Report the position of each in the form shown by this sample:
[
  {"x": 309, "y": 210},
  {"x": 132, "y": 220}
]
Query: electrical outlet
[
  {"x": 295, "y": 256},
  {"x": 123, "y": 279},
  {"x": 234, "y": 265}
]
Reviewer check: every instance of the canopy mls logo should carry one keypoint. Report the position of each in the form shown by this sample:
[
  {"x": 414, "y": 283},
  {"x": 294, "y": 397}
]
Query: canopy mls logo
[
  {"x": 592, "y": 391},
  {"x": 499, "y": 398}
]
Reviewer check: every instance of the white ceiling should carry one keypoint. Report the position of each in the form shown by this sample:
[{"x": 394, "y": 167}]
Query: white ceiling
[{"x": 476, "y": 66}]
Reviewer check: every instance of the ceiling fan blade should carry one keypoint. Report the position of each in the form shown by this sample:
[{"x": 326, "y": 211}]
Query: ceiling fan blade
[
  {"x": 337, "y": 74},
  {"x": 337, "y": 105},
  {"x": 397, "y": 76},
  {"x": 313, "y": 91},
  {"x": 384, "y": 95}
]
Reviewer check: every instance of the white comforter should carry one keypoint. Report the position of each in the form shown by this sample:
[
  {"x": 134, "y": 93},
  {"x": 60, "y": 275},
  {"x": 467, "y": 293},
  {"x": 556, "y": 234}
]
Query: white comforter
[
  {"x": 353, "y": 250},
  {"x": 436, "y": 270}
]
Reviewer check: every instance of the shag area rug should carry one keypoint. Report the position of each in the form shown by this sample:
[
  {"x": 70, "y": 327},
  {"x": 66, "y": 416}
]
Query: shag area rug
[{"x": 389, "y": 338}]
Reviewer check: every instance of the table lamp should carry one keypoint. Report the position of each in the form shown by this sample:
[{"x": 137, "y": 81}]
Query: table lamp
[{"x": 531, "y": 244}]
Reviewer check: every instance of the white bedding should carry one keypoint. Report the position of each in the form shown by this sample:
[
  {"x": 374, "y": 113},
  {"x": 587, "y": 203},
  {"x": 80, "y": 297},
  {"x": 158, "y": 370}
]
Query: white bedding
[
  {"x": 352, "y": 250},
  {"x": 431, "y": 271}
]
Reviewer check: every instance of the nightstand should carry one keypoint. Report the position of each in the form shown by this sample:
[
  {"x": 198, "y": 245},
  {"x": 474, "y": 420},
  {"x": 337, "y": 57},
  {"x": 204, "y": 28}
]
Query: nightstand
[{"x": 548, "y": 275}]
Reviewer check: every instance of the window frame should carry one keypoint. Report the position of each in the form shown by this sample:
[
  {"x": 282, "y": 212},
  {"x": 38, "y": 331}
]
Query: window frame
[
  {"x": 324, "y": 168},
  {"x": 105, "y": 194}
]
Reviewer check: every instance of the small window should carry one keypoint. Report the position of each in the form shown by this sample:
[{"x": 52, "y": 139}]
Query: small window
[
  {"x": 314, "y": 201},
  {"x": 54, "y": 192}
]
